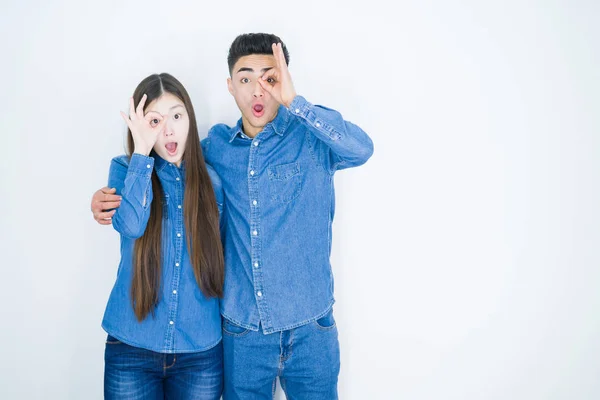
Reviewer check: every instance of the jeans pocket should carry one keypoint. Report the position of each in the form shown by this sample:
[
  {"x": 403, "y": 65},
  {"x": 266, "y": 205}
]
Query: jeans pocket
[
  {"x": 326, "y": 322},
  {"x": 231, "y": 329}
]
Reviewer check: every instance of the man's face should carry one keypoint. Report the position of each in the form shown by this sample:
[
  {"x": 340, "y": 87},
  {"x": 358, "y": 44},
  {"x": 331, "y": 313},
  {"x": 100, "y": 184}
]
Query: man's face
[{"x": 258, "y": 107}]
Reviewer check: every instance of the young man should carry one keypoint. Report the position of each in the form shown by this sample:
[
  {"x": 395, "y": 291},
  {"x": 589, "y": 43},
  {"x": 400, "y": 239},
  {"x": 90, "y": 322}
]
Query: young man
[{"x": 276, "y": 166}]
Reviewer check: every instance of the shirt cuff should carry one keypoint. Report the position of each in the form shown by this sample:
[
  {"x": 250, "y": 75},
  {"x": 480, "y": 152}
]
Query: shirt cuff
[
  {"x": 300, "y": 106},
  {"x": 314, "y": 117},
  {"x": 141, "y": 165}
]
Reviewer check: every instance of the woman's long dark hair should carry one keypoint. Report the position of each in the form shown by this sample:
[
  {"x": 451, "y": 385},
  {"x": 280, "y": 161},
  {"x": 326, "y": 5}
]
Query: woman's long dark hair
[{"x": 200, "y": 213}]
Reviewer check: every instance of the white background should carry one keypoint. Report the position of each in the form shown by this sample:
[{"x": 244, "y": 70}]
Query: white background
[{"x": 465, "y": 251}]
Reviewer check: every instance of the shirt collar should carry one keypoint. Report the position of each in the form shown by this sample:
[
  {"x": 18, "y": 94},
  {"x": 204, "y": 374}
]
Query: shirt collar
[
  {"x": 279, "y": 124},
  {"x": 160, "y": 163}
]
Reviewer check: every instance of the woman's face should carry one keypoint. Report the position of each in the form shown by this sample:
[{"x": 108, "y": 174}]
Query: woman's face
[{"x": 170, "y": 143}]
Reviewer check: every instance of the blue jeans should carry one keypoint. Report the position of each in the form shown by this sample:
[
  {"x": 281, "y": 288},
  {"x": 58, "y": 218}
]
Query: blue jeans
[
  {"x": 135, "y": 373},
  {"x": 306, "y": 360}
]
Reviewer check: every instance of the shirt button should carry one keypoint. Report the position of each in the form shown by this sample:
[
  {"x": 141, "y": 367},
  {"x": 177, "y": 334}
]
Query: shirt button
[
  {"x": 255, "y": 202},
  {"x": 179, "y": 235},
  {"x": 317, "y": 124},
  {"x": 179, "y": 206},
  {"x": 171, "y": 322},
  {"x": 177, "y": 178},
  {"x": 297, "y": 110},
  {"x": 177, "y": 264},
  {"x": 259, "y": 293},
  {"x": 255, "y": 265},
  {"x": 148, "y": 166},
  {"x": 252, "y": 172},
  {"x": 174, "y": 291},
  {"x": 255, "y": 144},
  {"x": 255, "y": 233}
]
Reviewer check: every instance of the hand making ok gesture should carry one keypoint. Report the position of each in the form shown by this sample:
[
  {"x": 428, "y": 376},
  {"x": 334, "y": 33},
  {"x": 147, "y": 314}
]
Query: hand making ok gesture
[{"x": 280, "y": 84}]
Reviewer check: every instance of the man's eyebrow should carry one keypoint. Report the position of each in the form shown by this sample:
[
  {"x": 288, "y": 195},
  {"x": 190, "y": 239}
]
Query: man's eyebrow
[{"x": 248, "y": 69}]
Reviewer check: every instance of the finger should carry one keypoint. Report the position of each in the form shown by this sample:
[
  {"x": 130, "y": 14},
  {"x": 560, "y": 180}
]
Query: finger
[
  {"x": 107, "y": 190},
  {"x": 157, "y": 128},
  {"x": 95, "y": 199},
  {"x": 272, "y": 73},
  {"x": 101, "y": 206},
  {"x": 104, "y": 218},
  {"x": 104, "y": 215},
  {"x": 140, "y": 108},
  {"x": 100, "y": 194},
  {"x": 283, "y": 64},
  {"x": 154, "y": 119},
  {"x": 126, "y": 119},
  {"x": 275, "y": 49},
  {"x": 109, "y": 197},
  {"x": 109, "y": 205},
  {"x": 96, "y": 208},
  {"x": 266, "y": 86},
  {"x": 150, "y": 115},
  {"x": 278, "y": 54},
  {"x": 131, "y": 109}
]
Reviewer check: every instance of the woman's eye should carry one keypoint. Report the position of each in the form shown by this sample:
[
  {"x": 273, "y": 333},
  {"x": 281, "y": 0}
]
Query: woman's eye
[
  {"x": 154, "y": 122},
  {"x": 245, "y": 80},
  {"x": 177, "y": 116},
  {"x": 270, "y": 80}
]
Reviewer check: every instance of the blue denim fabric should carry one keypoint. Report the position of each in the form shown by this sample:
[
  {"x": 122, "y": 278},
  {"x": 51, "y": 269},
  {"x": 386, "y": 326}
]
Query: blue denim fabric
[
  {"x": 306, "y": 360},
  {"x": 279, "y": 208},
  {"x": 133, "y": 373},
  {"x": 184, "y": 320}
]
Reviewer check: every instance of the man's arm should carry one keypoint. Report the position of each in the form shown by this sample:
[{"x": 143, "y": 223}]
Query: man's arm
[{"x": 340, "y": 143}]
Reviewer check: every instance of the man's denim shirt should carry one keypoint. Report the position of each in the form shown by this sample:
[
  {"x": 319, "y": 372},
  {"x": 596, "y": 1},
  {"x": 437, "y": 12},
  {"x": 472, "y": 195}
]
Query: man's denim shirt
[
  {"x": 184, "y": 320},
  {"x": 278, "y": 210}
]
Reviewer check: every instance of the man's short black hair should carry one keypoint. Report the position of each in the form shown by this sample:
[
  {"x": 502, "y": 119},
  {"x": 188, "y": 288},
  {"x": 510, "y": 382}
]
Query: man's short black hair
[{"x": 253, "y": 43}]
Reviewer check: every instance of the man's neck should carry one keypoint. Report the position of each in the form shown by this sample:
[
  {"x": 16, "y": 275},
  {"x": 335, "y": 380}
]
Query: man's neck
[{"x": 249, "y": 130}]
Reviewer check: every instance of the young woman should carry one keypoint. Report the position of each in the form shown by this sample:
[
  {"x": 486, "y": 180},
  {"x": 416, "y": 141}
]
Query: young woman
[{"x": 162, "y": 317}]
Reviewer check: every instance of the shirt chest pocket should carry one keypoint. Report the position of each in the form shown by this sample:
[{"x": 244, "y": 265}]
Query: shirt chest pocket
[{"x": 285, "y": 182}]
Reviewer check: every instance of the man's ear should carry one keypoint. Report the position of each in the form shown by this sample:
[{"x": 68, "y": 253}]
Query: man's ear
[{"x": 230, "y": 86}]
